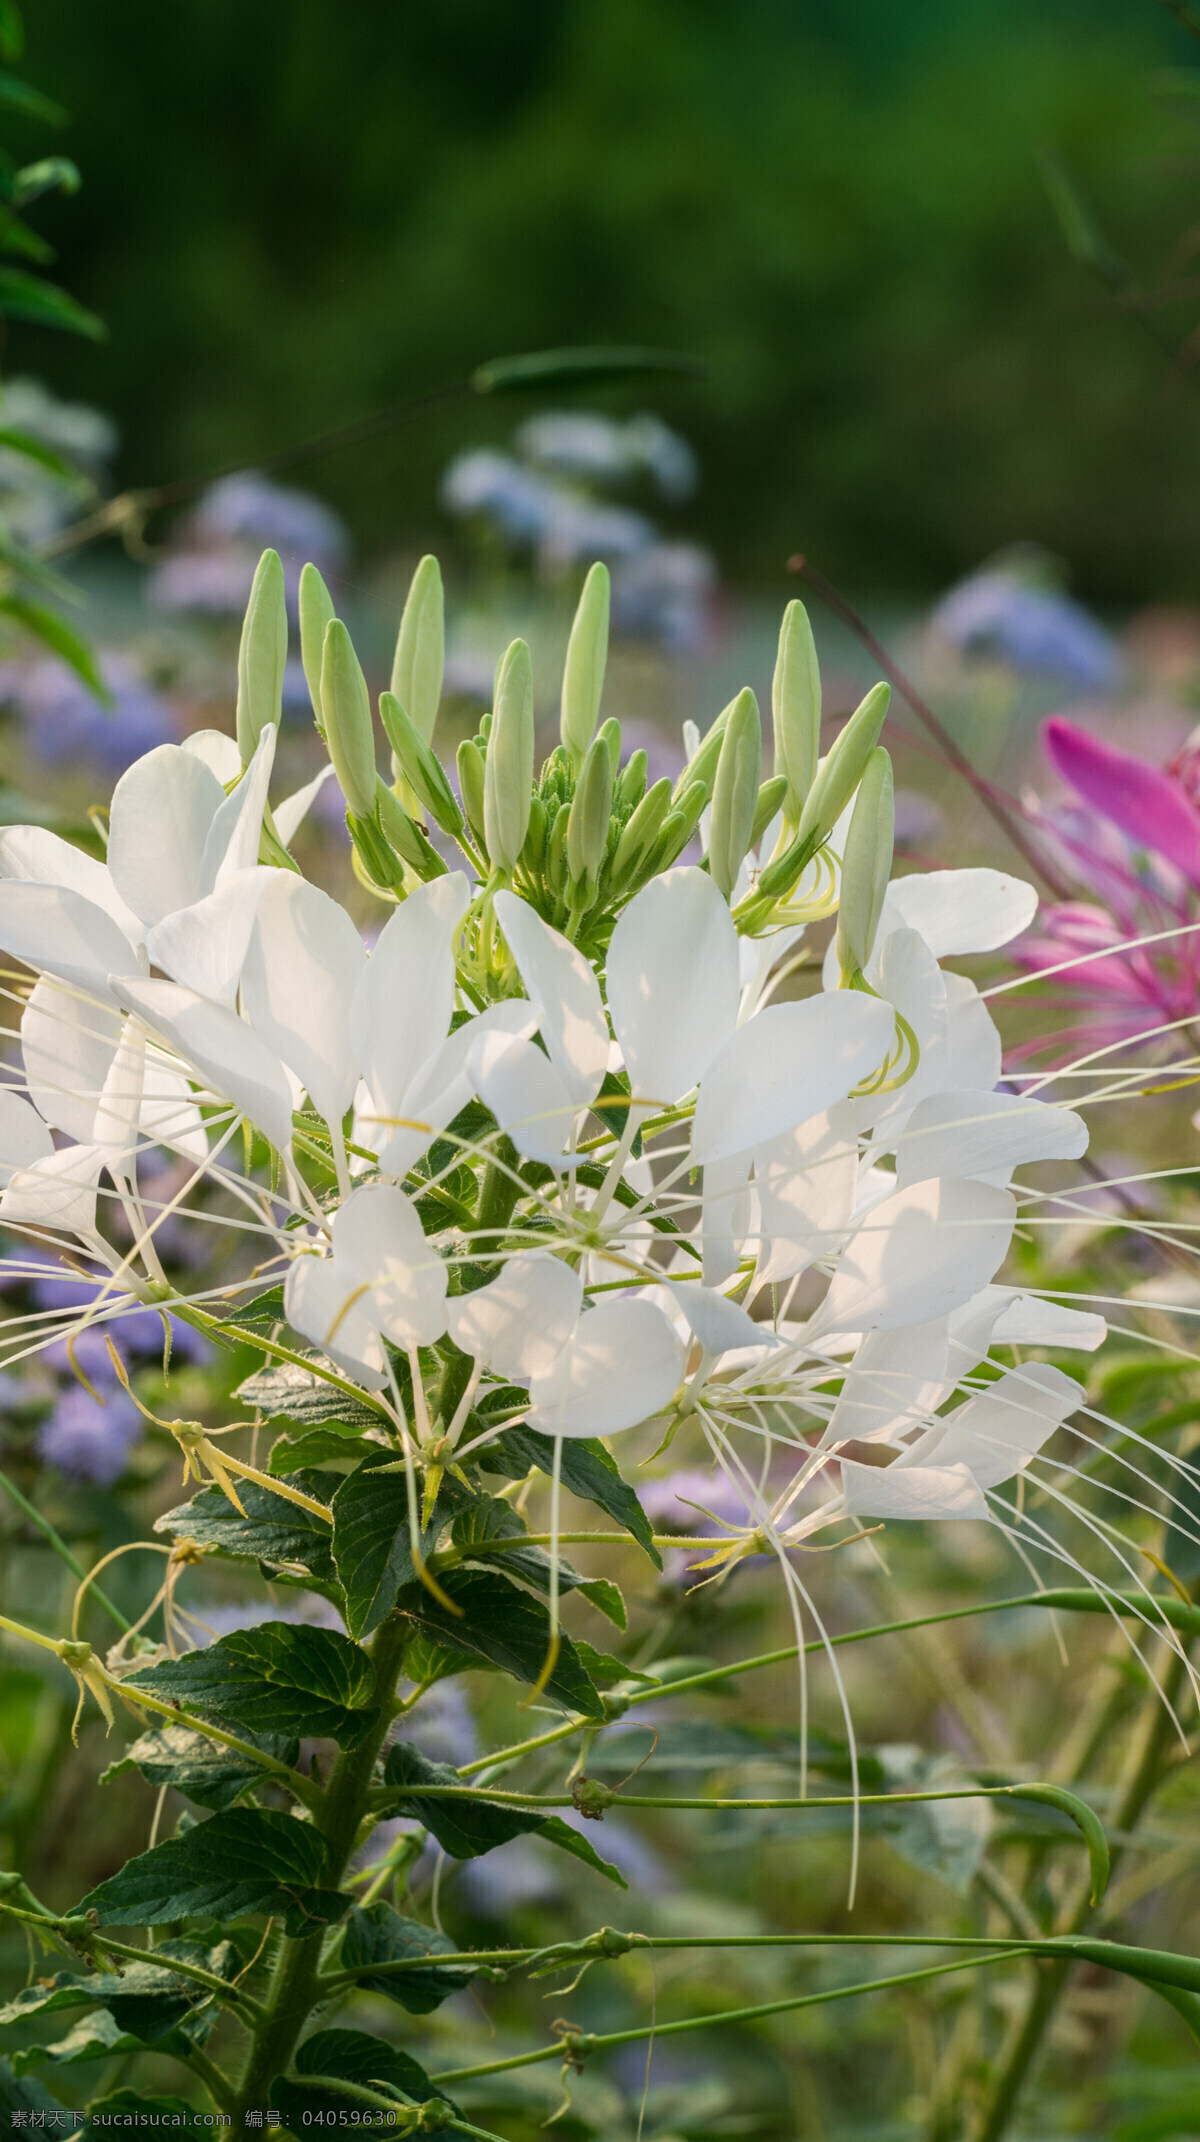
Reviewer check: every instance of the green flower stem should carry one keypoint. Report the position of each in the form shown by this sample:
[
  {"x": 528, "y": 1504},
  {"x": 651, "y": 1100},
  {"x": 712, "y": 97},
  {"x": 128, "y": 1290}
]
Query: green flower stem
[
  {"x": 1080, "y": 1600},
  {"x": 303, "y": 1788},
  {"x": 61, "y": 1549},
  {"x": 71, "y": 1928},
  {"x": 210, "y": 2075},
  {"x": 294, "y": 1980},
  {"x": 584, "y": 2043},
  {"x": 362, "y": 2094}
]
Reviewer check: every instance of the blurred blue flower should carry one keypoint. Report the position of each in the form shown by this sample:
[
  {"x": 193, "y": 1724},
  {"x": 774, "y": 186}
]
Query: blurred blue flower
[
  {"x": 1001, "y": 611},
  {"x": 680, "y": 1500},
  {"x": 215, "y": 551},
  {"x": 87, "y": 1441},
  {"x": 581, "y": 443},
  {"x": 62, "y": 721},
  {"x": 665, "y": 593}
]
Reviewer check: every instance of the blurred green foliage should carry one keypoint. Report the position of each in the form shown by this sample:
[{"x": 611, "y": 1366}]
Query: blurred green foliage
[{"x": 295, "y": 216}]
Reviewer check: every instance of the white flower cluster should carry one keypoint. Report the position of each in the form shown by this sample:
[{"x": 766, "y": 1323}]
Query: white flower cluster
[{"x": 595, "y": 1157}]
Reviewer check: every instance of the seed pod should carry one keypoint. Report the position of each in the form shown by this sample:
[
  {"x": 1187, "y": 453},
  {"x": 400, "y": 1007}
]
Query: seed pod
[
  {"x": 347, "y": 710},
  {"x": 508, "y": 788},
  {"x": 583, "y": 675},
  {"x": 421, "y": 650},
  {"x": 590, "y": 813},
  {"x": 838, "y": 778},
  {"x": 796, "y": 707},
  {"x": 866, "y": 864},
  {"x": 316, "y": 612},
  {"x": 471, "y": 781},
  {"x": 262, "y": 656},
  {"x": 419, "y": 765},
  {"x": 735, "y": 793}
]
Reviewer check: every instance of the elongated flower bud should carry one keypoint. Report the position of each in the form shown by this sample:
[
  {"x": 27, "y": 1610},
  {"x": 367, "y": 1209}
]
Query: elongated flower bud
[
  {"x": 346, "y": 706},
  {"x": 262, "y": 655},
  {"x": 770, "y": 800},
  {"x": 508, "y": 789},
  {"x": 583, "y": 676},
  {"x": 471, "y": 781},
  {"x": 404, "y": 834},
  {"x": 796, "y": 707},
  {"x": 866, "y": 865},
  {"x": 591, "y": 812},
  {"x": 631, "y": 786},
  {"x": 421, "y": 650},
  {"x": 843, "y": 768},
  {"x": 702, "y": 765},
  {"x": 641, "y": 832},
  {"x": 316, "y": 613},
  {"x": 419, "y": 764},
  {"x": 735, "y": 792}
]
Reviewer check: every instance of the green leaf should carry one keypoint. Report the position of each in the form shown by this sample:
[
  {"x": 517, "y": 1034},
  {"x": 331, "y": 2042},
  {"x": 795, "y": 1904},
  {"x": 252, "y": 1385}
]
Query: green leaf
[
  {"x": 587, "y": 1470},
  {"x": 133, "y": 2108},
  {"x": 207, "y": 1773},
  {"x": 557, "y": 1832},
  {"x": 273, "y": 1530},
  {"x": 603, "y": 1668},
  {"x": 583, "y": 367},
  {"x": 147, "y": 2001},
  {"x": 505, "y": 1627},
  {"x": 358, "y": 2058},
  {"x": 468, "y": 1827},
  {"x": 95, "y": 2037},
  {"x": 20, "y": 442},
  {"x": 488, "y": 1519},
  {"x": 245, "y": 1861},
  {"x": 12, "y": 31},
  {"x": 280, "y": 1677},
  {"x": 47, "y": 626},
  {"x": 21, "y": 96},
  {"x": 372, "y": 1548},
  {"x": 331, "y": 1445},
  {"x": 296, "y": 1394},
  {"x": 17, "y": 237},
  {"x": 29, "y": 297},
  {"x": 26, "y": 2096},
  {"x": 381, "y": 1936}
]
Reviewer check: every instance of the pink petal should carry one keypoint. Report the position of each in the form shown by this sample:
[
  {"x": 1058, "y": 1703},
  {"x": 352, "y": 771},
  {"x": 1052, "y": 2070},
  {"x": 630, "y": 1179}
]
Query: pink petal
[{"x": 1144, "y": 802}]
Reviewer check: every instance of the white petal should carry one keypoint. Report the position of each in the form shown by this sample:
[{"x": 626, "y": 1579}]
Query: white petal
[
  {"x": 972, "y": 1037},
  {"x": 971, "y": 1133},
  {"x": 378, "y": 1241},
  {"x": 317, "y": 1301},
  {"x": 522, "y": 1319},
  {"x": 204, "y": 946},
  {"x": 228, "y": 1055},
  {"x": 236, "y": 830},
  {"x": 162, "y": 809},
  {"x": 963, "y": 910},
  {"x": 673, "y": 983},
  {"x": 444, "y": 1084},
  {"x": 718, "y": 1323},
  {"x": 24, "y": 1137},
  {"x": 526, "y": 1093},
  {"x": 567, "y": 995},
  {"x": 120, "y": 1104},
  {"x": 59, "y": 932},
  {"x": 304, "y": 964},
  {"x": 906, "y": 973},
  {"x": 59, "y": 1191},
  {"x": 402, "y": 1005},
  {"x": 35, "y": 853},
  {"x": 67, "y": 1042},
  {"x": 997, "y": 1432},
  {"x": 622, "y": 1365},
  {"x": 925, "y": 1493},
  {"x": 1028, "y": 1321},
  {"x": 726, "y": 1218},
  {"x": 895, "y": 1379},
  {"x": 218, "y": 751},
  {"x": 918, "y": 1255},
  {"x": 289, "y": 815},
  {"x": 807, "y": 1184},
  {"x": 170, "y": 1115},
  {"x": 787, "y": 1063}
]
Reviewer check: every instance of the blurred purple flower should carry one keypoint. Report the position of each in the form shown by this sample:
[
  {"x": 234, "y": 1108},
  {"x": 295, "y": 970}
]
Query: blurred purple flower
[
  {"x": 665, "y": 593},
  {"x": 1000, "y": 611},
  {"x": 218, "y": 547},
  {"x": 596, "y": 448},
  {"x": 87, "y": 1441},
  {"x": 63, "y": 721},
  {"x": 680, "y": 1500}
]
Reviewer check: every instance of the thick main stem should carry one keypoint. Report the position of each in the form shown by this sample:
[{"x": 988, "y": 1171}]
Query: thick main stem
[{"x": 294, "y": 1984}]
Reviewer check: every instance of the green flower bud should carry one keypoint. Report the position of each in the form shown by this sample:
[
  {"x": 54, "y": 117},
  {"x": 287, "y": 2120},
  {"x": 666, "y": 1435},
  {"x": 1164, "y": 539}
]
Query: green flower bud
[
  {"x": 702, "y": 765},
  {"x": 866, "y": 865},
  {"x": 641, "y": 832},
  {"x": 610, "y": 731},
  {"x": 583, "y": 676},
  {"x": 262, "y": 656},
  {"x": 735, "y": 792},
  {"x": 471, "y": 781},
  {"x": 508, "y": 788},
  {"x": 556, "y": 854},
  {"x": 347, "y": 709},
  {"x": 316, "y": 613},
  {"x": 404, "y": 835},
  {"x": 796, "y": 707},
  {"x": 770, "y": 800},
  {"x": 420, "y": 650},
  {"x": 590, "y": 814},
  {"x": 533, "y": 854},
  {"x": 838, "y": 778},
  {"x": 419, "y": 765},
  {"x": 632, "y": 784}
]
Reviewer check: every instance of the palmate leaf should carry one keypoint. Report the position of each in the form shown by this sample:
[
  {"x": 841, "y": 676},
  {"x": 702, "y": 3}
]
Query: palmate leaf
[
  {"x": 587, "y": 1470},
  {"x": 276, "y": 1678},
  {"x": 381, "y": 1936},
  {"x": 273, "y": 1530},
  {"x": 205, "y": 1772},
  {"x": 248, "y": 1860},
  {"x": 372, "y": 1544},
  {"x": 504, "y": 1627},
  {"x": 468, "y": 1827},
  {"x": 356, "y": 2058},
  {"x": 332, "y": 1444}
]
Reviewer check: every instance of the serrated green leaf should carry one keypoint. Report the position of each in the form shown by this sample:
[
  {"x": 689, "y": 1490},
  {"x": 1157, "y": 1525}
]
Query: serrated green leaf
[
  {"x": 210, "y": 1775},
  {"x": 280, "y": 1677},
  {"x": 25, "y": 2096},
  {"x": 29, "y": 297},
  {"x": 505, "y": 1627},
  {"x": 95, "y": 2037},
  {"x": 333, "y": 1444},
  {"x": 247, "y": 1860},
  {"x": 587, "y": 1470},
  {"x": 273, "y": 1530},
  {"x": 381, "y": 1936},
  {"x": 604, "y": 1669},
  {"x": 358, "y": 2058},
  {"x": 372, "y": 1546},
  {"x": 147, "y": 2000},
  {"x": 47, "y": 626},
  {"x": 284, "y": 1391}
]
